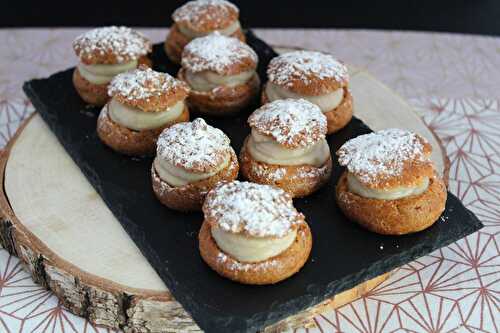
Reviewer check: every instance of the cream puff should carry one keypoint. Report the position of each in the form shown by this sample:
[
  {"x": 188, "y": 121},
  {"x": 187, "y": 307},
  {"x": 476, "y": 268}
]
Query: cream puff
[
  {"x": 316, "y": 77},
  {"x": 287, "y": 147},
  {"x": 221, "y": 72},
  {"x": 199, "y": 18},
  {"x": 253, "y": 234},
  {"x": 104, "y": 53},
  {"x": 390, "y": 185},
  {"x": 191, "y": 158},
  {"x": 143, "y": 103}
]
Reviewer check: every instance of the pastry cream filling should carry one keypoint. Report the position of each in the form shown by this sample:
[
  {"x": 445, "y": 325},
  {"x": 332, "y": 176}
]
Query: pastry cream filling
[
  {"x": 390, "y": 194},
  {"x": 139, "y": 120},
  {"x": 251, "y": 249},
  {"x": 176, "y": 176},
  {"x": 326, "y": 102},
  {"x": 264, "y": 149},
  {"x": 101, "y": 74},
  {"x": 206, "y": 81},
  {"x": 229, "y": 30}
]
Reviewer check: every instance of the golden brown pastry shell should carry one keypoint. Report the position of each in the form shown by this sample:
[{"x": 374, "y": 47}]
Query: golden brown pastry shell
[
  {"x": 210, "y": 18},
  {"x": 298, "y": 180},
  {"x": 223, "y": 101},
  {"x": 337, "y": 118},
  {"x": 156, "y": 103},
  {"x": 97, "y": 94},
  {"x": 306, "y": 84},
  {"x": 281, "y": 130},
  {"x": 412, "y": 169},
  {"x": 312, "y": 85},
  {"x": 128, "y": 141},
  {"x": 175, "y": 42},
  {"x": 109, "y": 56},
  {"x": 190, "y": 197},
  {"x": 196, "y": 63},
  {"x": 393, "y": 217},
  {"x": 284, "y": 265}
]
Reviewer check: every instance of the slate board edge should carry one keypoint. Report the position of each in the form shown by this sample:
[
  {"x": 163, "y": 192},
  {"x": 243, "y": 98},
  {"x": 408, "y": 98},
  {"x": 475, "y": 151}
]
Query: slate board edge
[
  {"x": 346, "y": 283},
  {"x": 259, "y": 320}
]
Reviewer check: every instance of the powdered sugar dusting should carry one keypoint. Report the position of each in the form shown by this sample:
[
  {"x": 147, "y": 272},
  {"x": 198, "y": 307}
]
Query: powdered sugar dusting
[
  {"x": 234, "y": 265},
  {"x": 142, "y": 83},
  {"x": 262, "y": 171},
  {"x": 313, "y": 173},
  {"x": 255, "y": 209},
  {"x": 164, "y": 186},
  {"x": 216, "y": 52},
  {"x": 275, "y": 175},
  {"x": 195, "y": 146},
  {"x": 302, "y": 65},
  {"x": 199, "y": 12},
  {"x": 291, "y": 122},
  {"x": 124, "y": 43},
  {"x": 345, "y": 197},
  {"x": 381, "y": 154}
]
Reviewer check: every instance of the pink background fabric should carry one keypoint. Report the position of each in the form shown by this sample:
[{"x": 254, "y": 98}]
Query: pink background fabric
[{"x": 453, "y": 81}]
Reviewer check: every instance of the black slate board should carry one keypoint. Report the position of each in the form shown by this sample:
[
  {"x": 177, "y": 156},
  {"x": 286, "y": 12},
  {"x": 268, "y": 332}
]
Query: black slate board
[{"x": 343, "y": 254}]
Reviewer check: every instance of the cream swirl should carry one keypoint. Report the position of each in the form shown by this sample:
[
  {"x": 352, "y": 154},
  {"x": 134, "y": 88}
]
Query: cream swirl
[
  {"x": 246, "y": 248},
  {"x": 326, "y": 102},
  {"x": 139, "y": 120},
  {"x": 228, "y": 31},
  {"x": 101, "y": 73},
  {"x": 264, "y": 149},
  {"x": 175, "y": 176},
  {"x": 206, "y": 81},
  {"x": 395, "y": 193}
]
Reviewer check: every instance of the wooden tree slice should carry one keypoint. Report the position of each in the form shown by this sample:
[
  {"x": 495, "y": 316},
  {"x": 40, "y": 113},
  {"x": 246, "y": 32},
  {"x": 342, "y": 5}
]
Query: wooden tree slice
[{"x": 54, "y": 220}]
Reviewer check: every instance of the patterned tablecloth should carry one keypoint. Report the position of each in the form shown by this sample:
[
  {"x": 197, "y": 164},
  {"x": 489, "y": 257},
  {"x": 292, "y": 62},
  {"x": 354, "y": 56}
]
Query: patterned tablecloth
[{"x": 453, "y": 79}]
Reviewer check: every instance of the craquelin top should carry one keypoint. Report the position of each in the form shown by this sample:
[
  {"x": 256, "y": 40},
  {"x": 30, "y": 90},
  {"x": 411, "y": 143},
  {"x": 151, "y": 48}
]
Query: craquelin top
[
  {"x": 252, "y": 209},
  {"x": 387, "y": 158},
  {"x": 293, "y": 123},
  {"x": 218, "y": 53},
  {"x": 194, "y": 146},
  {"x": 147, "y": 90},
  {"x": 206, "y": 15},
  {"x": 111, "y": 45},
  {"x": 308, "y": 72}
]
